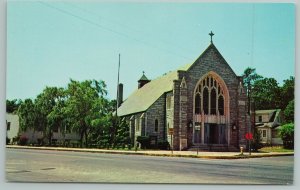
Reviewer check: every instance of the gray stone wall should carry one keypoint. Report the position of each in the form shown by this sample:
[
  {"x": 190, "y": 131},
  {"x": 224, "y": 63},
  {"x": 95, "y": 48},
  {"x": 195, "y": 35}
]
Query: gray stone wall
[
  {"x": 133, "y": 119},
  {"x": 213, "y": 61},
  {"x": 157, "y": 111}
]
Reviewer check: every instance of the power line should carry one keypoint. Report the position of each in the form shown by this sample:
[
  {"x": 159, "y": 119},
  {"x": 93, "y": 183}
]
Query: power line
[
  {"x": 109, "y": 29},
  {"x": 127, "y": 27}
]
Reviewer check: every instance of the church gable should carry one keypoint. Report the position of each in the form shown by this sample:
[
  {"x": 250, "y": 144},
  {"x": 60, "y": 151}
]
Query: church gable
[{"x": 212, "y": 60}]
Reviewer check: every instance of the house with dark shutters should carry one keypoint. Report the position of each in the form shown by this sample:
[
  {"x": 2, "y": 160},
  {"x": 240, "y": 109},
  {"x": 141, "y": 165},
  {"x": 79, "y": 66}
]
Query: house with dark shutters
[{"x": 200, "y": 105}]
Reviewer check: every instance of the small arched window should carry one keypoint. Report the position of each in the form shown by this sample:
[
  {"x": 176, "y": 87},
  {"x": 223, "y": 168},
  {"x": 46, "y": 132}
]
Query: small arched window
[
  {"x": 197, "y": 104},
  {"x": 156, "y": 126}
]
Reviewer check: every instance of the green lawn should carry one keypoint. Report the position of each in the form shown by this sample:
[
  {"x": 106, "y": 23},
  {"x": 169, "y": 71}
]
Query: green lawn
[{"x": 275, "y": 149}]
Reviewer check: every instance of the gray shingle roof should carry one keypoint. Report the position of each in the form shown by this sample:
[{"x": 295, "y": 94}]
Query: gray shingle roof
[{"x": 141, "y": 99}]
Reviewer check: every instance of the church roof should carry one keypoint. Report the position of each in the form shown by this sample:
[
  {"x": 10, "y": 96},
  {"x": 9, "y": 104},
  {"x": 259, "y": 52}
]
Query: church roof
[{"x": 141, "y": 99}]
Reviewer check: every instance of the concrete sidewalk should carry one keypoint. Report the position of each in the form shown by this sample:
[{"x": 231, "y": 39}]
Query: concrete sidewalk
[{"x": 190, "y": 154}]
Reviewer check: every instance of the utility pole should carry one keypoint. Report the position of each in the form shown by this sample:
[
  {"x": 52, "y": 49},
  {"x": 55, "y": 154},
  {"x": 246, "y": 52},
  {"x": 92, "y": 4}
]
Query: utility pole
[{"x": 118, "y": 86}]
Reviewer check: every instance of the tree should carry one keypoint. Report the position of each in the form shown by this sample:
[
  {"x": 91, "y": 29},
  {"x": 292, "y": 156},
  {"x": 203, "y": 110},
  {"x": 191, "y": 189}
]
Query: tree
[
  {"x": 57, "y": 118},
  {"x": 287, "y": 135},
  {"x": 45, "y": 104},
  {"x": 99, "y": 120},
  {"x": 27, "y": 115},
  {"x": 289, "y": 112},
  {"x": 82, "y": 105},
  {"x": 287, "y": 92},
  {"x": 122, "y": 134},
  {"x": 12, "y": 105},
  {"x": 249, "y": 78},
  {"x": 266, "y": 94}
]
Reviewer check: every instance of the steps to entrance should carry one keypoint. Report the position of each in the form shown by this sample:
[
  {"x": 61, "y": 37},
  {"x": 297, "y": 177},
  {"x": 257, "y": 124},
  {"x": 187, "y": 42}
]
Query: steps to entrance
[{"x": 213, "y": 148}]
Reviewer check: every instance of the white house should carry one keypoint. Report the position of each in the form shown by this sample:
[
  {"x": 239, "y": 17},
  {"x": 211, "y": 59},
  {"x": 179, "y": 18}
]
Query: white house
[
  {"x": 268, "y": 123},
  {"x": 12, "y": 126}
]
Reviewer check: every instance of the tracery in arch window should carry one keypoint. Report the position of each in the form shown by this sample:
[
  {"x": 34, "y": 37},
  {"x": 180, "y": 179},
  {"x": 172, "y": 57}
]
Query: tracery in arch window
[
  {"x": 221, "y": 105},
  {"x": 205, "y": 100},
  {"x": 213, "y": 102},
  {"x": 209, "y": 97},
  {"x": 197, "y": 104}
]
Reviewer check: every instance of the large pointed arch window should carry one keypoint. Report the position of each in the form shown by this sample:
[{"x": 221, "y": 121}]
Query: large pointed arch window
[{"x": 209, "y": 97}]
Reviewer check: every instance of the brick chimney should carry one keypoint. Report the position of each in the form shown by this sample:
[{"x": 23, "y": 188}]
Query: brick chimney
[{"x": 120, "y": 97}]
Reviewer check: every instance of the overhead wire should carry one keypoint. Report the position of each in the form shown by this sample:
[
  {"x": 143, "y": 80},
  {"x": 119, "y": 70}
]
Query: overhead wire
[
  {"x": 169, "y": 43},
  {"x": 111, "y": 30}
]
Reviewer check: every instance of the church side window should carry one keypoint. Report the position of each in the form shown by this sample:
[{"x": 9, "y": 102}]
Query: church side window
[
  {"x": 156, "y": 126},
  {"x": 137, "y": 124},
  {"x": 205, "y": 100},
  {"x": 197, "y": 104},
  {"x": 168, "y": 102}
]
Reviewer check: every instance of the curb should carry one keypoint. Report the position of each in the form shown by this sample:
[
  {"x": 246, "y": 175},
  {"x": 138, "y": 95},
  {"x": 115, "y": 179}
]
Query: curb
[{"x": 150, "y": 154}]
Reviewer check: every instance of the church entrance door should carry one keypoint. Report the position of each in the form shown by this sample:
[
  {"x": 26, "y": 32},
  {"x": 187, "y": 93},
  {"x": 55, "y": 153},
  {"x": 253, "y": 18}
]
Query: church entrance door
[
  {"x": 214, "y": 133},
  {"x": 211, "y": 133}
]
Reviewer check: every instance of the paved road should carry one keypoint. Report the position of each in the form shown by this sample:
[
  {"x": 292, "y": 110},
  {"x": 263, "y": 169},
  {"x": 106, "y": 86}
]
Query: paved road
[{"x": 59, "y": 166}]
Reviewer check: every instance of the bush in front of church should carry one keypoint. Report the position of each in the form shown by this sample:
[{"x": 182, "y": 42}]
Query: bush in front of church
[
  {"x": 163, "y": 145},
  {"x": 144, "y": 141}
]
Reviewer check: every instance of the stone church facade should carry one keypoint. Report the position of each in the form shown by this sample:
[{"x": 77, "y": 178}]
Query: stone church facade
[{"x": 202, "y": 105}]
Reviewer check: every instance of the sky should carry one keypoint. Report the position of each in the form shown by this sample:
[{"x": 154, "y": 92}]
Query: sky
[{"x": 49, "y": 43}]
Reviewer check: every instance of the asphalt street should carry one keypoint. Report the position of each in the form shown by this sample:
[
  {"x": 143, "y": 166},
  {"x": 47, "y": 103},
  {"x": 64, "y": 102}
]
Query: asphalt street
[{"x": 61, "y": 166}]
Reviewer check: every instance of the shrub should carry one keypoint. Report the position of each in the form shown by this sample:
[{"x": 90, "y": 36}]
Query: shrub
[
  {"x": 287, "y": 135},
  {"x": 23, "y": 140},
  {"x": 256, "y": 143},
  {"x": 144, "y": 140},
  {"x": 163, "y": 145}
]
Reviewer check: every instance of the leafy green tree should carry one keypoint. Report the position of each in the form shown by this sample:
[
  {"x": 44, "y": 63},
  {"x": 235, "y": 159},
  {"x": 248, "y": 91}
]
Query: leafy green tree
[
  {"x": 57, "y": 118},
  {"x": 45, "y": 104},
  {"x": 249, "y": 78},
  {"x": 12, "y": 105},
  {"x": 289, "y": 112},
  {"x": 266, "y": 94},
  {"x": 82, "y": 105},
  {"x": 27, "y": 115},
  {"x": 287, "y": 92},
  {"x": 287, "y": 135},
  {"x": 122, "y": 134},
  {"x": 98, "y": 120}
]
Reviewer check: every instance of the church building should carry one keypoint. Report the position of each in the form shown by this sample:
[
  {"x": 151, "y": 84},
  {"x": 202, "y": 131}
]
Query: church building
[{"x": 201, "y": 105}]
